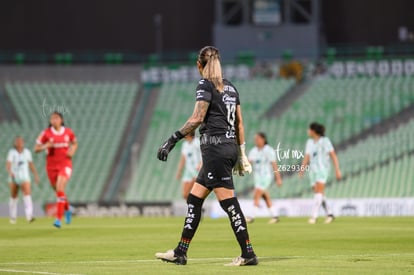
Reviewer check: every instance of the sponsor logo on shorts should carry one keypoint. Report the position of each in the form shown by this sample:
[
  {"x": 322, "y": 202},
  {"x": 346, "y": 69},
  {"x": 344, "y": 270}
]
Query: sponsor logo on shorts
[
  {"x": 213, "y": 140},
  {"x": 210, "y": 175}
]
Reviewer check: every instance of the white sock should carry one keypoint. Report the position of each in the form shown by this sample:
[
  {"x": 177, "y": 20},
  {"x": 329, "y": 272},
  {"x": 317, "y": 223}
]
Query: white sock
[
  {"x": 28, "y": 207},
  {"x": 13, "y": 208},
  {"x": 255, "y": 211},
  {"x": 318, "y": 197},
  {"x": 272, "y": 212}
]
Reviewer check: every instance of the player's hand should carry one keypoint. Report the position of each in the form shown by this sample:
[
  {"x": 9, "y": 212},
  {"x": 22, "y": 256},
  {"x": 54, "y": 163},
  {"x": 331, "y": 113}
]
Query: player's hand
[
  {"x": 247, "y": 167},
  {"x": 168, "y": 145},
  {"x": 338, "y": 174},
  {"x": 243, "y": 165},
  {"x": 165, "y": 149},
  {"x": 301, "y": 172},
  {"x": 238, "y": 170},
  {"x": 278, "y": 181},
  {"x": 70, "y": 153},
  {"x": 48, "y": 144}
]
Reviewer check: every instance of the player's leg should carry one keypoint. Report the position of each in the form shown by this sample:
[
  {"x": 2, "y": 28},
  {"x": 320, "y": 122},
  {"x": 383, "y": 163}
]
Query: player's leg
[
  {"x": 231, "y": 206},
  {"x": 62, "y": 206},
  {"x": 66, "y": 173},
  {"x": 187, "y": 186},
  {"x": 329, "y": 215},
  {"x": 61, "y": 199},
  {"x": 257, "y": 195},
  {"x": 195, "y": 202},
  {"x": 222, "y": 183},
  {"x": 318, "y": 189},
  {"x": 52, "y": 174},
  {"x": 14, "y": 190},
  {"x": 27, "y": 199},
  {"x": 271, "y": 209}
]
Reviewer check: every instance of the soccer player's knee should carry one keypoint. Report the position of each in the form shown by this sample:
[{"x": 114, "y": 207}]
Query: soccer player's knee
[{"x": 196, "y": 201}]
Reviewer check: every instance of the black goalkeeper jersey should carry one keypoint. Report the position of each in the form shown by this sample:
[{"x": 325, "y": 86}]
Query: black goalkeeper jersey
[{"x": 221, "y": 114}]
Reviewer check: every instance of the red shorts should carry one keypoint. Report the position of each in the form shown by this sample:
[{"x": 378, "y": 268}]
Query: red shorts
[{"x": 53, "y": 173}]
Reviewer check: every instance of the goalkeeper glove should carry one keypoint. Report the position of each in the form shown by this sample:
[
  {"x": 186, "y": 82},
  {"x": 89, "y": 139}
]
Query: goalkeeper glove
[
  {"x": 168, "y": 145},
  {"x": 243, "y": 165}
]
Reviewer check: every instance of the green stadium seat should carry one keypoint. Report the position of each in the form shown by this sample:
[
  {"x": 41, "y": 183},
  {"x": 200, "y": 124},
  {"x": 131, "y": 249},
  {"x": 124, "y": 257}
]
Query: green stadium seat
[{"x": 97, "y": 112}]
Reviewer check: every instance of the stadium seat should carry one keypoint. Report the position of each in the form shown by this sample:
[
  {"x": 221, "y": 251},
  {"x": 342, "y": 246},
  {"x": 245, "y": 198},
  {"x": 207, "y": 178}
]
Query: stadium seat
[{"x": 97, "y": 112}]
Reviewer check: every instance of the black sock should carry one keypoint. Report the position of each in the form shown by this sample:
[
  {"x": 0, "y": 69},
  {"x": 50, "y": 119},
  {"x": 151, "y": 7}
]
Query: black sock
[
  {"x": 191, "y": 222},
  {"x": 324, "y": 206},
  {"x": 238, "y": 223}
]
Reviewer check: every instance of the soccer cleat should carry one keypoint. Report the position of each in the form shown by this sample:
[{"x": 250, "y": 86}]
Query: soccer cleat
[
  {"x": 240, "y": 261},
  {"x": 68, "y": 216},
  {"x": 57, "y": 224},
  {"x": 329, "y": 219},
  {"x": 171, "y": 257},
  {"x": 31, "y": 220},
  {"x": 312, "y": 221},
  {"x": 13, "y": 221},
  {"x": 249, "y": 220},
  {"x": 273, "y": 220}
]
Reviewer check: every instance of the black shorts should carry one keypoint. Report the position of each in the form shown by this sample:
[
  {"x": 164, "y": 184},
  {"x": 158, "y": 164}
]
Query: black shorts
[{"x": 218, "y": 162}]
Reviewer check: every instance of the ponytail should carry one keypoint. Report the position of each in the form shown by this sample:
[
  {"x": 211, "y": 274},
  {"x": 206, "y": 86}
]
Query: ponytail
[{"x": 209, "y": 58}]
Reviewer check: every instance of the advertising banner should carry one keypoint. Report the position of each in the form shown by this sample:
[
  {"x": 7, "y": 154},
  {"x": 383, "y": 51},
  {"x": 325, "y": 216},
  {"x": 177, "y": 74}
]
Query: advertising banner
[
  {"x": 383, "y": 68},
  {"x": 156, "y": 209},
  {"x": 156, "y": 75},
  {"x": 360, "y": 207}
]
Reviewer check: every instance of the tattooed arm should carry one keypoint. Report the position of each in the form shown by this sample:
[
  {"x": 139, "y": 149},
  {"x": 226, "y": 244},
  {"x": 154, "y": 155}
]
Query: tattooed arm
[
  {"x": 200, "y": 111},
  {"x": 192, "y": 123}
]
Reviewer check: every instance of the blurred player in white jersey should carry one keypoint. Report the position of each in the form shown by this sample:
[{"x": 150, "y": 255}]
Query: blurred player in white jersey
[
  {"x": 19, "y": 160},
  {"x": 263, "y": 159},
  {"x": 190, "y": 163},
  {"x": 317, "y": 153}
]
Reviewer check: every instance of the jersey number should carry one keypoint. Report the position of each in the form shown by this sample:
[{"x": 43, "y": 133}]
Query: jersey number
[{"x": 231, "y": 114}]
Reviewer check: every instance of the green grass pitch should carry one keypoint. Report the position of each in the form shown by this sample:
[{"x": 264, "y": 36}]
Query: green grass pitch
[{"x": 127, "y": 246}]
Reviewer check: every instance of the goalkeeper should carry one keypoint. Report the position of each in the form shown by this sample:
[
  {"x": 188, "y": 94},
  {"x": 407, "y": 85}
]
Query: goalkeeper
[{"x": 217, "y": 110}]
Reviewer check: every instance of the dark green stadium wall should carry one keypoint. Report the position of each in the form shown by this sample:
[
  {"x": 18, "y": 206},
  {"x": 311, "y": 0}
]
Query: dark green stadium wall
[
  {"x": 53, "y": 26},
  {"x": 365, "y": 22}
]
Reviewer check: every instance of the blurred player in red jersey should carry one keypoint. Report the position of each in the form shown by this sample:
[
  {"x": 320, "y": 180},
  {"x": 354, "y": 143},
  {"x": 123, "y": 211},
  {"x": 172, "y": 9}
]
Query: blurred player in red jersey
[{"x": 60, "y": 144}]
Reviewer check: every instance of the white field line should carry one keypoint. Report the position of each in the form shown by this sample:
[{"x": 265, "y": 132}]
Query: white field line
[
  {"x": 205, "y": 259},
  {"x": 34, "y": 272}
]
